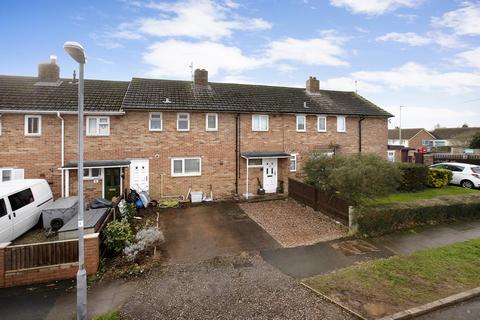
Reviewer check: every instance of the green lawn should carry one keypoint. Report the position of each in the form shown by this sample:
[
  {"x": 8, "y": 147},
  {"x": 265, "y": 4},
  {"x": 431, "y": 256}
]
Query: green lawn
[
  {"x": 428, "y": 193},
  {"x": 386, "y": 286}
]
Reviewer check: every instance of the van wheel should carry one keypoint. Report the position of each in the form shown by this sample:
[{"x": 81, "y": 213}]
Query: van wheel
[{"x": 467, "y": 184}]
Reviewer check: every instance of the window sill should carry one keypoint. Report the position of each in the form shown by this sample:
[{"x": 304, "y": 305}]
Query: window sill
[
  {"x": 155, "y": 130},
  {"x": 98, "y": 135},
  {"x": 186, "y": 175},
  {"x": 33, "y": 135}
]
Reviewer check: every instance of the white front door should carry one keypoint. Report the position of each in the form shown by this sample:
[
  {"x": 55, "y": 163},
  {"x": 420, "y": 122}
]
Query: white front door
[
  {"x": 139, "y": 179},
  {"x": 270, "y": 175}
]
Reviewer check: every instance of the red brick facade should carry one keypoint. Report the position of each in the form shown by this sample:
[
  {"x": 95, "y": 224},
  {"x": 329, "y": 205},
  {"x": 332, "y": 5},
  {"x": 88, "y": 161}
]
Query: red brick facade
[{"x": 130, "y": 138}]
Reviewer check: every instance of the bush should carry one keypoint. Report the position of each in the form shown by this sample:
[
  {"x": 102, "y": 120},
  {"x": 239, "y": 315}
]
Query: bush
[
  {"x": 439, "y": 178},
  {"x": 354, "y": 178},
  {"x": 117, "y": 234},
  {"x": 414, "y": 177},
  {"x": 143, "y": 239},
  {"x": 374, "y": 221}
]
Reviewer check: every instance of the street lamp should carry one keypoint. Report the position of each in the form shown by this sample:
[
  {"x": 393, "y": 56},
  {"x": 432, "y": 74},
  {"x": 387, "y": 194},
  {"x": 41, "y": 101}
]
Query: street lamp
[{"x": 76, "y": 51}]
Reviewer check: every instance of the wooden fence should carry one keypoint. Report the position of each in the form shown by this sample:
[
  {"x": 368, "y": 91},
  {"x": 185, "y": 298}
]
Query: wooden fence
[
  {"x": 40, "y": 254},
  {"x": 319, "y": 200}
]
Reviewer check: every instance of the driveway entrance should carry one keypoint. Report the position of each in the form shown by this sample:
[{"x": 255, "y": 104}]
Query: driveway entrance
[{"x": 203, "y": 232}]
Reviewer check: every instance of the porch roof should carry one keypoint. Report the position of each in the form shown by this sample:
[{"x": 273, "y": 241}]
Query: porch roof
[
  {"x": 98, "y": 164},
  {"x": 264, "y": 154}
]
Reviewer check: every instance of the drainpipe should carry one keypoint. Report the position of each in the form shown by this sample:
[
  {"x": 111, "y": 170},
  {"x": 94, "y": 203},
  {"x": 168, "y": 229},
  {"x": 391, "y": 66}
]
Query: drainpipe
[
  {"x": 237, "y": 151},
  {"x": 360, "y": 133},
  {"x": 62, "y": 148}
]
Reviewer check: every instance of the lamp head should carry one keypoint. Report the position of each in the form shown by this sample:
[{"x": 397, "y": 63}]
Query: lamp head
[{"x": 76, "y": 51}]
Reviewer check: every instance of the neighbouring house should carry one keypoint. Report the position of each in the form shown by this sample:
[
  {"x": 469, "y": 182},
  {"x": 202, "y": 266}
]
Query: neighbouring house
[
  {"x": 411, "y": 137},
  {"x": 454, "y": 140},
  {"x": 169, "y": 136}
]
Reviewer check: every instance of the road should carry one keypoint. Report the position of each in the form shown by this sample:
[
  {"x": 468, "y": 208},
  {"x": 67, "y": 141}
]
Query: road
[{"x": 468, "y": 310}]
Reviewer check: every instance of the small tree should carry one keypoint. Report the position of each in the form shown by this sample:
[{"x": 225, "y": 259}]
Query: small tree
[
  {"x": 475, "y": 142},
  {"x": 318, "y": 168}
]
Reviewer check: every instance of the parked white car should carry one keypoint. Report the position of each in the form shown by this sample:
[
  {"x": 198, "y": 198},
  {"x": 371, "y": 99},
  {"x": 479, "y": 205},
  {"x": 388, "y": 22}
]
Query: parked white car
[
  {"x": 21, "y": 204},
  {"x": 464, "y": 174}
]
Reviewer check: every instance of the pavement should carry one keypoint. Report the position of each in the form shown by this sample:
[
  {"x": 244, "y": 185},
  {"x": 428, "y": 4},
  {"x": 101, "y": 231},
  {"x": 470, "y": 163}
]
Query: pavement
[
  {"x": 467, "y": 310},
  {"x": 57, "y": 300},
  {"x": 307, "y": 261}
]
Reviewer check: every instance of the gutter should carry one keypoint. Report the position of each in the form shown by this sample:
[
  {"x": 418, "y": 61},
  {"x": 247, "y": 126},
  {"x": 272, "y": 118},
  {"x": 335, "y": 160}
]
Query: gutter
[
  {"x": 62, "y": 148},
  {"x": 360, "y": 133},
  {"x": 105, "y": 113}
]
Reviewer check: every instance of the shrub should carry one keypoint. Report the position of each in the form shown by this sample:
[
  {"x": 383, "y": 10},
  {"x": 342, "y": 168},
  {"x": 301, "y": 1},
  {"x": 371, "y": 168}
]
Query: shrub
[
  {"x": 439, "y": 178},
  {"x": 377, "y": 220},
  {"x": 143, "y": 239},
  {"x": 414, "y": 177},
  {"x": 117, "y": 234},
  {"x": 354, "y": 178}
]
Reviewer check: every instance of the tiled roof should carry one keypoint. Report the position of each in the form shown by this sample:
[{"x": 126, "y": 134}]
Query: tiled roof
[
  {"x": 181, "y": 95},
  {"x": 22, "y": 93},
  {"x": 407, "y": 133},
  {"x": 452, "y": 133}
]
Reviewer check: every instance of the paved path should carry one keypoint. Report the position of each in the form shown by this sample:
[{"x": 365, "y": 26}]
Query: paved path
[
  {"x": 324, "y": 257},
  {"x": 468, "y": 310}
]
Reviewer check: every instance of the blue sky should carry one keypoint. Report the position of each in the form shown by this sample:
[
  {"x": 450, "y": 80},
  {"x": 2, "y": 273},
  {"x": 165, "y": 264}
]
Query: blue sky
[{"x": 422, "y": 54}]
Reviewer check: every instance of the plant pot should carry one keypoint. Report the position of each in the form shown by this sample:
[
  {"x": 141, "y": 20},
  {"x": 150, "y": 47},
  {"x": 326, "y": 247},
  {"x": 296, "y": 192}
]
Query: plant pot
[{"x": 261, "y": 191}]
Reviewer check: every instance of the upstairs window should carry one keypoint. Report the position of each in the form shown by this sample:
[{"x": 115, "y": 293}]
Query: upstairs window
[
  {"x": 155, "y": 122},
  {"x": 211, "y": 120},
  {"x": 33, "y": 125},
  {"x": 183, "y": 121},
  {"x": 341, "y": 124},
  {"x": 98, "y": 126},
  {"x": 260, "y": 122},
  {"x": 322, "y": 124},
  {"x": 301, "y": 123}
]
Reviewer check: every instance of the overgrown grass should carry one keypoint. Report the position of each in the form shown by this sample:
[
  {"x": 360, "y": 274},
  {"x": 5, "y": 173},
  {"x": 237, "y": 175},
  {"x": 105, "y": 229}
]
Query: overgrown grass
[
  {"x": 113, "y": 315},
  {"x": 429, "y": 193},
  {"x": 385, "y": 286}
]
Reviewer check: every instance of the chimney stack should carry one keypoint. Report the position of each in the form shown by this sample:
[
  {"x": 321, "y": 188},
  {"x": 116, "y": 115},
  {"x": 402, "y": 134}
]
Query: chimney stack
[
  {"x": 49, "y": 72},
  {"x": 313, "y": 85},
  {"x": 200, "y": 78}
]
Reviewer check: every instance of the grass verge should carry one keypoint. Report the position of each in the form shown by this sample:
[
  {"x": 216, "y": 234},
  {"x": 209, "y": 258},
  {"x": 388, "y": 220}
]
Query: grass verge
[
  {"x": 113, "y": 315},
  {"x": 383, "y": 287},
  {"x": 428, "y": 193}
]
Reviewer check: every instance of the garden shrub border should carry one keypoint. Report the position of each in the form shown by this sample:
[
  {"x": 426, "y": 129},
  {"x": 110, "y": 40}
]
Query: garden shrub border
[{"x": 381, "y": 219}]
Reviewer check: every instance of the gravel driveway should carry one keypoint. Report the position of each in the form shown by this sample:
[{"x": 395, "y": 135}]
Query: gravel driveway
[
  {"x": 242, "y": 287},
  {"x": 292, "y": 224}
]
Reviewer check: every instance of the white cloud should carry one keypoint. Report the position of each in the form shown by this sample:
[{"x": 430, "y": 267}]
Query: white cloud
[
  {"x": 171, "y": 58},
  {"x": 433, "y": 37},
  {"x": 470, "y": 58},
  {"x": 316, "y": 51},
  {"x": 410, "y": 38},
  {"x": 414, "y": 76},
  {"x": 199, "y": 19},
  {"x": 348, "y": 84},
  {"x": 464, "y": 21},
  {"x": 409, "y": 18},
  {"x": 374, "y": 7}
]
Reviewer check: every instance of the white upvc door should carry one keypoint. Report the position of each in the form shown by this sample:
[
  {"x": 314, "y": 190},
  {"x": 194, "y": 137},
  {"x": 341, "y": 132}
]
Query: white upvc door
[
  {"x": 139, "y": 175},
  {"x": 270, "y": 180}
]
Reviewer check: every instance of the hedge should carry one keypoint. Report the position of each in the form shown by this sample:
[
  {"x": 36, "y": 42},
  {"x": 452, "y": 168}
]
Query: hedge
[
  {"x": 414, "y": 177},
  {"x": 439, "y": 178},
  {"x": 377, "y": 220}
]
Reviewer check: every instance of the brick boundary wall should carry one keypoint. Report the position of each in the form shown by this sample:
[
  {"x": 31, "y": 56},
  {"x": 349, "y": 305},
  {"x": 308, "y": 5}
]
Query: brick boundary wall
[{"x": 52, "y": 272}]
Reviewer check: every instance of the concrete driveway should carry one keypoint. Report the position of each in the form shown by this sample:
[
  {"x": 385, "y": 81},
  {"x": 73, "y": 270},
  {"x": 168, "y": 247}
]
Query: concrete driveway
[{"x": 205, "y": 231}]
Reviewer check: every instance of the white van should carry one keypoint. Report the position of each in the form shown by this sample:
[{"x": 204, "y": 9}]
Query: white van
[{"x": 21, "y": 204}]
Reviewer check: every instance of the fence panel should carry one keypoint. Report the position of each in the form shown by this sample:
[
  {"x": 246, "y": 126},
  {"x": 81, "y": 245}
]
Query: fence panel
[
  {"x": 40, "y": 254},
  {"x": 302, "y": 192}
]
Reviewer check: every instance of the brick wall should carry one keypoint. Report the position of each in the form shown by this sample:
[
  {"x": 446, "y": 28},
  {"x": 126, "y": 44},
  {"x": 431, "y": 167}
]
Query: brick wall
[
  {"x": 416, "y": 141},
  {"x": 130, "y": 138},
  {"x": 53, "y": 272}
]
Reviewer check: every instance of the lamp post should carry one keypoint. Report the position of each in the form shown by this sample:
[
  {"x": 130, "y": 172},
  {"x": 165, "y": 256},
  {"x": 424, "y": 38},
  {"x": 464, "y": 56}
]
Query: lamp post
[{"x": 76, "y": 51}]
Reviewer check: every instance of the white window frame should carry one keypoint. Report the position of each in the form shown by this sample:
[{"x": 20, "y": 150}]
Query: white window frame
[
  {"x": 178, "y": 120},
  {"x": 216, "y": 121},
  {"x": 15, "y": 174},
  {"x": 295, "y": 159},
  {"x": 150, "y": 121},
  {"x": 39, "y": 133},
  {"x": 344, "y": 122},
  {"x": 304, "y": 122},
  {"x": 260, "y": 165},
  {"x": 259, "y": 122},
  {"x": 97, "y": 126},
  {"x": 183, "y": 174},
  {"x": 90, "y": 176},
  {"x": 318, "y": 123}
]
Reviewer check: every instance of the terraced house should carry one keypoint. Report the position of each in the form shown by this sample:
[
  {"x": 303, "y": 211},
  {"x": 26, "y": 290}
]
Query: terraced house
[{"x": 169, "y": 136}]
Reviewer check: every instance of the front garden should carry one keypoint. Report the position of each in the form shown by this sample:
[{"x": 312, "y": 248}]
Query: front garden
[{"x": 388, "y": 196}]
